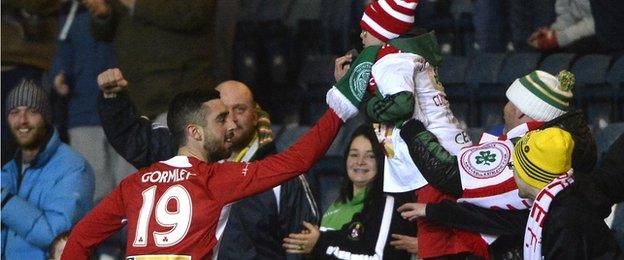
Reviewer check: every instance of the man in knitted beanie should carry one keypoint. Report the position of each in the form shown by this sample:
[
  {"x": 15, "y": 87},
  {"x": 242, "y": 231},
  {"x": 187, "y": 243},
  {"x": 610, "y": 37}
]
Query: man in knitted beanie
[
  {"x": 563, "y": 224},
  {"x": 47, "y": 187},
  {"x": 478, "y": 175},
  {"x": 33, "y": 99}
]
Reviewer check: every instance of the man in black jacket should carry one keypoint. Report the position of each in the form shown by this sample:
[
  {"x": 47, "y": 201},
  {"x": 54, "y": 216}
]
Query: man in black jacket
[{"x": 257, "y": 224}]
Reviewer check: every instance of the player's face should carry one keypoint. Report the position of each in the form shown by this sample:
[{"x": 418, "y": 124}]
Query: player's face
[
  {"x": 218, "y": 130},
  {"x": 361, "y": 163},
  {"x": 28, "y": 127},
  {"x": 244, "y": 115}
]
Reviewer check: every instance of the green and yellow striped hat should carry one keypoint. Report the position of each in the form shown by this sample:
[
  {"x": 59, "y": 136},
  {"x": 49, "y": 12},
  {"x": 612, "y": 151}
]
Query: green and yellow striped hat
[
  {"x": 540, "y": 156},
  {"x": 541, "y": 96}
]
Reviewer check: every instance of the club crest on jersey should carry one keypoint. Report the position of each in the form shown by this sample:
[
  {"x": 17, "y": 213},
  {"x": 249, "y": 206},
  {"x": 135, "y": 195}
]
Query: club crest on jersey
[
  {"x": 485, "y": 161},
  {"x": 358, "y": 81},
  {"x": 356, "y": 231}
]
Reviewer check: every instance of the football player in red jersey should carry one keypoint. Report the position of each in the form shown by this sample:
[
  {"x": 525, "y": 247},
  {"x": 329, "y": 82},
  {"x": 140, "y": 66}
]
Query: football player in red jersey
[{"x": 174, "y": 209}]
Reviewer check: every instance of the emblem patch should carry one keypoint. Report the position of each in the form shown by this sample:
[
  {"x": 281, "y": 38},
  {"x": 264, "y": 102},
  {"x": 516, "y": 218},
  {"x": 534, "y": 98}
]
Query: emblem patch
[
  {"x": 358, "y": 81},
  {"x": 356, "y": 231},
  {"x": 485, "y": 161}
]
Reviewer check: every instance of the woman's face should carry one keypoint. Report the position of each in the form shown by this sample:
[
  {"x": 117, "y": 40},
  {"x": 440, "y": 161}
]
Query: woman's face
[{"x": 361, "y": 164}]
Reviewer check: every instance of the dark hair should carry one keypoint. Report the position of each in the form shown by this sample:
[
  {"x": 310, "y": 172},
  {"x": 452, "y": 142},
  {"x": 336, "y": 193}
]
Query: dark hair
[
  {"x": 186, "y": 108},
  {"x": 375, "y": 187}
]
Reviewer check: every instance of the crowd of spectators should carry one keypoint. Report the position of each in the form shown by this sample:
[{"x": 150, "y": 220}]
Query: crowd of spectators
[{"x": 85, "y": 82}]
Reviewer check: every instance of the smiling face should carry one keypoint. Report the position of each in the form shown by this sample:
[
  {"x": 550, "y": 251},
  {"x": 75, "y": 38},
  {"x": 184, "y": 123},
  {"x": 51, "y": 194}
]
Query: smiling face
[
  {"x": 361, "y": 163},
  {"x": 28, "y": 127},
  {"x": 216, "y": 130}
]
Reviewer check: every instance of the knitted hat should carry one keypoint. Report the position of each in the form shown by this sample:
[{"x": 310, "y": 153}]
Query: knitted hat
[
  {"x": 388, "y": 19},
  {"x": 541, "y": 96},
  {"x": 28, "y": 94},
  {"x": 542, "y": 155}
]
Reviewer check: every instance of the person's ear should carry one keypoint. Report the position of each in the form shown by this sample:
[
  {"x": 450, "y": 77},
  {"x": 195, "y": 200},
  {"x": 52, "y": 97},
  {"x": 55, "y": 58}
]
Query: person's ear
[{"x": 195, "y": 132}]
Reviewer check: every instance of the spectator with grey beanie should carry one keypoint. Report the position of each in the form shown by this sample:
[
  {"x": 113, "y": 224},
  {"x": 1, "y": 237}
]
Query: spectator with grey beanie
[{"x": 47, "y": 187}]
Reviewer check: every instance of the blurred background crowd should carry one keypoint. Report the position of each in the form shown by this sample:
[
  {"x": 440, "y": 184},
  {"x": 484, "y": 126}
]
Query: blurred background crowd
[{"x": 284, "y": 50}]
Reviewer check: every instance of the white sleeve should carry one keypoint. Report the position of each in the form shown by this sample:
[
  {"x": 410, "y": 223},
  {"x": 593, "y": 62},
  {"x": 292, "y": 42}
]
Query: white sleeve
[{"x": 394, "y": 73}]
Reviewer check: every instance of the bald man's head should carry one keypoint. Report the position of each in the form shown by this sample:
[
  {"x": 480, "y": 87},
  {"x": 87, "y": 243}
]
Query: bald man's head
[{"x": 239, "y": 101}]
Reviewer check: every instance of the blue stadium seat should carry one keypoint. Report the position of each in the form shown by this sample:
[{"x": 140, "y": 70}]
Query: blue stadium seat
[
  {"x": 315, "y": 78},
  {"x": 338, "y": 147},
  {"x": 492, "y": 98},
  {"x": 452, "y": 74},
  {"x": 276, "y": 129},
  {"x": 615, "y": 77},
  {"x": 606, "y": 136},
  {"x": 335, "y": 16},
  {"x": 517, "y": 65},
  {"x": 288, "y": 136},
  {"x": 245, "y": 54},
  {"x": 557, "y": 62},
  {"x": 592, "y": 92},
  {"x": 327, "y": 175},
  {"x": 482, "y": 75}
]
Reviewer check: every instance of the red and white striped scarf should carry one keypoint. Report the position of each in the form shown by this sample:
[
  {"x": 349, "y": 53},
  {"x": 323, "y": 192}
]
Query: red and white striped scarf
[{"x": 539, "y": 212}]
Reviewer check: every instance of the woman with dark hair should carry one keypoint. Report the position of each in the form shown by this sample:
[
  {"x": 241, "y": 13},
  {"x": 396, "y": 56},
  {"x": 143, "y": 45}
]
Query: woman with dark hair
[
  {"x": 363, "y": 162},
  {"x": 361, "y": 221}
]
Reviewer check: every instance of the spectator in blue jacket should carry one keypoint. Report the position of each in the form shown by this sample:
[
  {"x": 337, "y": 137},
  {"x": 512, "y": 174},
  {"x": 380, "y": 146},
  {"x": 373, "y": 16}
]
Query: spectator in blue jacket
[
  {"x": 47, "y": 187},
  {"x": 78, "y": 59}
]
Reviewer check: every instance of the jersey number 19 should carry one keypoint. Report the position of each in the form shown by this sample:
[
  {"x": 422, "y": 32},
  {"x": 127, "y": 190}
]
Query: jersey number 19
[{"x": 179, "y": 220}]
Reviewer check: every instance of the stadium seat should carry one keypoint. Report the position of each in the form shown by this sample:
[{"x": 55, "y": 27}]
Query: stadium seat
[
  {"x": 592, "y": 92},
  {"x": 606, "y": 136},
  {"x": 335, "y": 16},
  {"x": 482, "y": 76},
  {"x": 276, "y": 129},
  {"x": 288, "y": 135},
  {"x": 517, "y": 65},
  {"x": 492, "y": 96},
  {"x": 327, "y": 175},
  {"x": 245, "y": 54},
  {"x": 615, "y": 78},
  {"x": 557, "y": 62},
  {"x": 339, "y": 146},
  {"x": 315, "y": 78},
  {"x": 452, "y": 74}
]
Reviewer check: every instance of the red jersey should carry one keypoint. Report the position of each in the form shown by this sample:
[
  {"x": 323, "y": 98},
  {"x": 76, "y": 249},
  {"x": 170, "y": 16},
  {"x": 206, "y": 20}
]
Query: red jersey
[{"x": 177, "y": 209}]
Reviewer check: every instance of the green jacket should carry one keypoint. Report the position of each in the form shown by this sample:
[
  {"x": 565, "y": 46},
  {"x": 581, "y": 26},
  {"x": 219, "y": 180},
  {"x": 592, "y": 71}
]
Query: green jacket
[{"x": 162, "y": 46}]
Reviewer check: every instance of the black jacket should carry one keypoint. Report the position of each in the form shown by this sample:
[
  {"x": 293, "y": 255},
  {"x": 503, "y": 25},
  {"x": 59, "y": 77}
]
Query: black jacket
[
  {"x": 361, "y": 235},
  {"x": 573, "y": 229},
  {"x": 255, "y": 229}
]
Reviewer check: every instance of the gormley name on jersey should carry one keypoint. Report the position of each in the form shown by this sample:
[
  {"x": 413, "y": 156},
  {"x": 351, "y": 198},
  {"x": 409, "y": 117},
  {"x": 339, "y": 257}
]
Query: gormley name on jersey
[{"x": 174, "y": 175}]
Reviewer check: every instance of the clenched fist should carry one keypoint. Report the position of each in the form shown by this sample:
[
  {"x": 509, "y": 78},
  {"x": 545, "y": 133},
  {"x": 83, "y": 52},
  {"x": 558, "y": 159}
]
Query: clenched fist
[
  {"x": 111, "y": 82},
  {"x": 97, "y": 7},
  {"x": 60, "y": 85}
]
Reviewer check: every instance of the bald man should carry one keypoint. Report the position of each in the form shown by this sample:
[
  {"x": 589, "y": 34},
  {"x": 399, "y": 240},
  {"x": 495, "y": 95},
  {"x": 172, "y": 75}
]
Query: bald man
[{"x": 257, "y": 224}]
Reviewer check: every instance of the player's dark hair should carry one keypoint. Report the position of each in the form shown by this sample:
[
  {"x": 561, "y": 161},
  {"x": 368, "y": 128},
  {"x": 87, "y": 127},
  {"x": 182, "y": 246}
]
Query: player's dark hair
[{"x": 185, "y": 109}]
